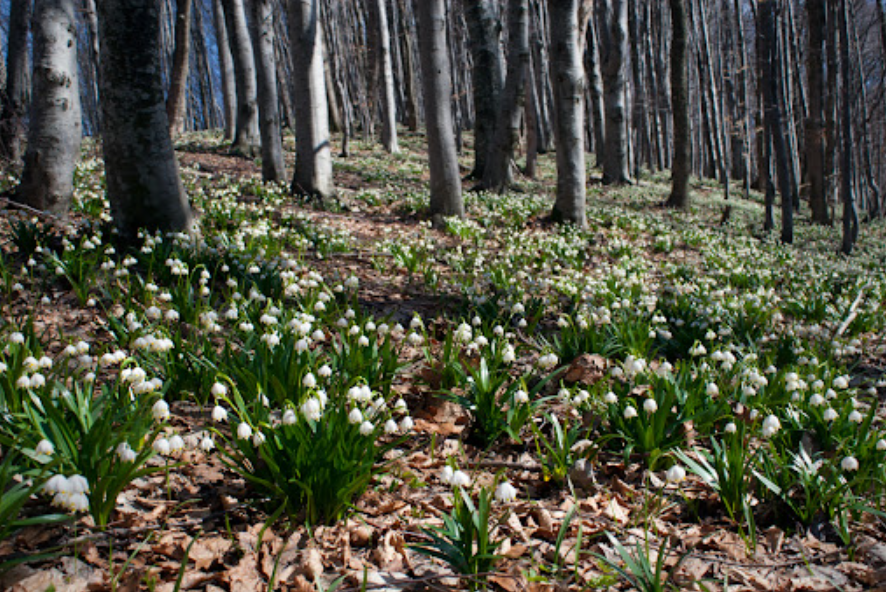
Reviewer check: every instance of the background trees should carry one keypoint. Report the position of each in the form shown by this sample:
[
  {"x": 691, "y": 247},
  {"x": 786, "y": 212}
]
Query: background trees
[{"x": 355, "y": 67}]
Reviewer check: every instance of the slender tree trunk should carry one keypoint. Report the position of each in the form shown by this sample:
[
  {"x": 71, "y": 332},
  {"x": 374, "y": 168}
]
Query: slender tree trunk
[
  {"x": 614, "y": 49},
  {"x": 55, "y": 127},
  {"x": 815, "y": 147},
  {"x": 226, "y": 67},
  {"x": 484, "y": 33},
  {"x": 313, "y": 149},
  {"x": 143, "y": 181},
  {"x": 873, "y": 201},
  {"x": 90, "y": 67},
  {"x": 12, "y": 117},
  {"x": 384, "y": 64},
  {"x": 850, "y": 214},
  {"x": 567, "y": 78},
  {"x": 595, "y": 79},
  {"x": 446, "y": 194},
  {"x": 682, "y": 164},
  {"x": 178, "y": 85},
  {"x": 272, "y": 165},
  {"x": 246, "y": 133},
  {"x": 499, "y": 169},
  {"x": 721, "y": 154},
  {"x": 744, "y": 100},
  {"x": 769, "y": 30}
]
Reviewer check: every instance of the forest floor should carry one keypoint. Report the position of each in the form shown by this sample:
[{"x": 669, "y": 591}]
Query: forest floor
[{"x": 197, "y": 525}]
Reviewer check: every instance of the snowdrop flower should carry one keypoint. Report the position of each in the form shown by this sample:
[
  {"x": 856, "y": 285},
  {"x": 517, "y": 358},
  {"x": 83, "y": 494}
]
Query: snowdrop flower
[
  {"x": 630, "y": 412},
  {"x": 78, "y": 484},
  {"x": 23, "y": 382},
  {"x": 258, "y": 439},
  {"x": 363, "y": 341},
  {"x": 366, "y": 428},
  {"x": 650, "y": 406},
  {"x": 311, "y": 409},
  {"x": 850, "y": 463},
  {"x": 856, "y": 417},
  {"x": 816, "y": 400},
  {"x": 414, "y": 339},
  {"x": 218, "y": 389},
  {"x": 176, "y": 443},
  {"x": 712, "y": 390},
  {"x": 390, "y": 426},
  {"x": 325, "y": 371},
  {"x": 219, "y": 414},
  {"x": 160, "y": 410},
  {"x": 289, "y": 417},
  {"x": 126, "y": 453},
  {"x": 881, "y": 444},
  {"x": 841, "y": 382},
  {"x": 610, "y": 398},
  {"x": 676, "y": 474},
  {"x": 730, "y": 428},
  {"x": 505, "y": 492},
  {"x": 406, "y": 424},
  {"x": 771, "y": 425},
  {"x": 459, "y": 479},
  {"x": 56, "y": 484},
  {"x": 37, "y": 380},
  {"x": 206, "y": 444},
  {"x": 45, "y": 447},
  {"x": 244, "y": 431},
  {"x": 309, "y": 381},
  {"x": 400, "y": 406},
  {"x": 697, "y": 350},
  {"x": 548, "y": 362},
  {"x": 830, "y": 414},
  {"x": 355, "y": 417},
  {"x": 162, "y": 446},
  {"x": 521, "y": 397},
  {"x": 508, "y": 356}
]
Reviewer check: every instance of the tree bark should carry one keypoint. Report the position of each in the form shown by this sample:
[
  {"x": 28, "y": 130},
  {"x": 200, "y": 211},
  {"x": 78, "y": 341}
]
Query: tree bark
[
  {"x": 55, "y": 127},
  {"x": 595, "y": 80},
  {"x": 499, "y": 174},
  {"x": 446, "y": 193},
  {"x": 272, "y": 165},
  {"x": 226, "y": 67},
  {"x": 178, "y": 85},
  {"x": 385, "y": 78},
  {"x": 568, "y": 82},
  {"x": 246, "y": 134},
  {"x": 484, "y": 33},
  {"x": 850, "y": 214},
  {"x": 682, "y": 162},
  {"x": 313, "y": 151},
  {"x": 614, "y": 48},
  {"x": 815, "y": 147},
  {"x": 143, "y": 181},
  {"x": 12, "y": 117}
]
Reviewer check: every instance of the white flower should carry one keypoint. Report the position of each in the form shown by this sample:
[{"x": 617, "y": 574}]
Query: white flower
[
  {"x": 162, "y": 446},
  {"x": 363, "y": 341},
  {"x": 650, "y": 406},
  {"x": 850, "y": 463},
  {"x": 23, "y": 382},
  {"x": 630, "y": 412},
  {"x": 830, "y": 414},
  {"x": 841, "y": 382},
  {"x": 218, "y": 389},
  {"x": 311, "y": 409},
  {"x": 258, "y": 439},
  {"x": 355, "y": 417},
  {"x": 206, "y": 444},
  {"x": 391, "y": 427},
  {"x": 697, "y": 350},
  {"x": 406, "y": 424},
  {"x": 520, "y": 397},
  {"x": 244, "y": 431},
  {"x": 610, "y": 398},
  {"x": 712, "y": 390},
  {"x": 366, "y": 428},
  {"x": 56, "y": 484},
  {"x": 446, "y": 474},
  {"x": 730, "y": 428},
  {"x": 325, "y": 371},
  {"x": 160, "y": 410},
  {"x": 856, "y": 417},
  {"x": 816, "y": 400},
  {"x": 505, "y": 492},
  {"x": 309, "y": 381},
  {"x": 881, "y": 444},
  {"x": 289, "y": 417},
  {"x": 176, "y": 443},
  {"x": 771, "y": 425},
  {"x": 547, "y": 362},
  {"x": 459, "y": 479},
  {"x": 676, "y": 474},
  {"x": 78, "y": 484},
  {"x": 45, "y": 447},
  {"x": 219, "y": 413}
]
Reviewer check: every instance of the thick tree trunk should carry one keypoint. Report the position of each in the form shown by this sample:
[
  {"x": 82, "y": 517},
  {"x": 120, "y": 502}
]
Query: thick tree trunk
[
  {"x": 768, "y": 28},
  {"x": 55, "y": 128},
  {"x": 568, "y": 82},
  {"x": 815, "y": 147},
  {"x": 614, "y": 48},
  {"x": 682, "y": 164},
  {"x": 446, "y": 194},
  {"x": 178, "y": 85},
  {"x": 385, "y": 71},
  {"x": 272, "y": 165},
  {"x": 143, "y": 181},
  {"x": 313, "y": 150},
  {"x": 226, "y": 67},
  {"x": 499, "y": 168},
  {"x": 12, "y": 127},
  {"x": 246, "y": 134},
  {"x": 484, "y": 32}
]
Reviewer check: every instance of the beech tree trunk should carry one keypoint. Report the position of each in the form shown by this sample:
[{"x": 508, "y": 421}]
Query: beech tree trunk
[
  {"x": 499, "y": 173},
  {"x": 682, "y": 162},
  {"x": 484, "y": 32},
  {"x": 815, "y": 147},
  {"x": 143, "y": 181},
  {"x": 178, "y": 84},
  {"x": 850, "y": 214},
  {"x": 567, "y": 78},
  {"x": 385, "y": 75},
  {"x": 12, "y": 117},
  {"x": 614, "y": 48},
  {"x": 272, "y": 165},
  {"x": 595, "y": 80},
  {"x": 55, "y": 127},
  {"x": 246, "y": 134},
  {"x": 226, "y": 67},
  {"x": 313, "y": 151},
  {"x": 446, "y": 193}
]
